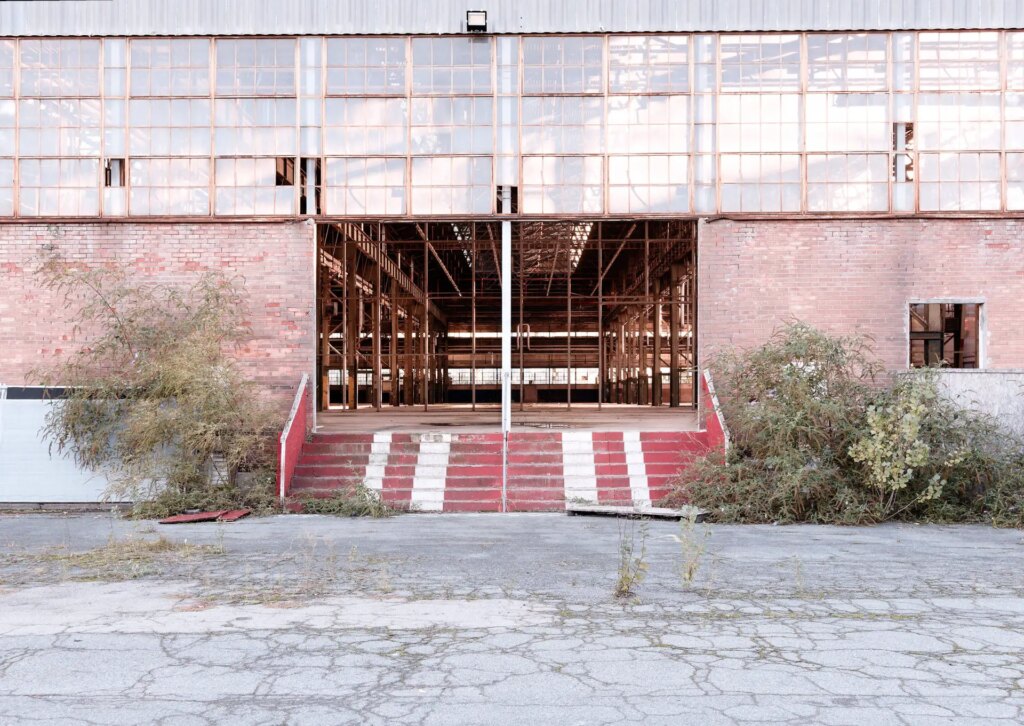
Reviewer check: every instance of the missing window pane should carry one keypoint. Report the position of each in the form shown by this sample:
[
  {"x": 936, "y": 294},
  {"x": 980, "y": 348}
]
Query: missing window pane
[
  {"x": 284, "y": 172},
  {"x": 113, "y": 173},
  {"x": 310, "y": 173},
  {"x": 903, "y": 145},
  {"x": 513, "y": 195}
]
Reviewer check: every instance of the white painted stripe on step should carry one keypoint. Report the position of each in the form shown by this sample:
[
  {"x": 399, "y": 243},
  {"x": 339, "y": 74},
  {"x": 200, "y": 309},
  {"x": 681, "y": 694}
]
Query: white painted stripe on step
[
  {"x": 431, "y": 472},
  {"x": 636, "y": 467},
  {"x": 427, "y": 458},
  {"x": 578, "y": 468},
  {"x": 380, "y": 450},
  {"x": 577, "y": 458}
]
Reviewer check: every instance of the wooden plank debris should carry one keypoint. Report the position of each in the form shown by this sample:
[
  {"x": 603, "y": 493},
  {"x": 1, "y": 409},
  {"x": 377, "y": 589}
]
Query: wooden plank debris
[
  {"x": 217, "y": 515},
  {"x": 194, "y": 517},
  {"x": 633, "y": 511}
]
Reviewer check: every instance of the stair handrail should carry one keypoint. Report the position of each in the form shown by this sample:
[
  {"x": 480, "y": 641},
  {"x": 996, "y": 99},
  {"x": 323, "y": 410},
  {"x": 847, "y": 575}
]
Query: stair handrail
[
  {"x": 714, "y": 428},
  {"x": 297, "y": 413}
]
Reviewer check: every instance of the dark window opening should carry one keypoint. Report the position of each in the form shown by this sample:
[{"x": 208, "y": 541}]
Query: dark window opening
[
  {"x": 903, "y": 145},
  {"x": 113, "y": 173},
  {"x": 513, "y": 200},
  {"x": 285, "y": 172},
  {"x": 310, "y": 180},
  {"x": 944, "y": 334}
]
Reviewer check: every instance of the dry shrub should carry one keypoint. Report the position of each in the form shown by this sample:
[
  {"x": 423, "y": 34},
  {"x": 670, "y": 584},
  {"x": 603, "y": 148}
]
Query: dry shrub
[
  {"x": 357, "y": 501},
  {"x": 257, "y": 493},
  {"x": 815, "y": 438},
  {"x": 127, "y": 559},
  {"x": 154, "y": 400}
]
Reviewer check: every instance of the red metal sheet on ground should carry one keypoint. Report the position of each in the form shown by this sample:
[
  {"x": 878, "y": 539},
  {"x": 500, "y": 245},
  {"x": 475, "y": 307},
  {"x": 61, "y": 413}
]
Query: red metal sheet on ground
[
  {"x": 197, "y": 517},
  {"x": 233, "y": 515}
]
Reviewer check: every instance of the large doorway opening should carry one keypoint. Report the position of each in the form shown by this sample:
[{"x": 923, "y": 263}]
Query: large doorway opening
[{"x": 603, "y": 316}]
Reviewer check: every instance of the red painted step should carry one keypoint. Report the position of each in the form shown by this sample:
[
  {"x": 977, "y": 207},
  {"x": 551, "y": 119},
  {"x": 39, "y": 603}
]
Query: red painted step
[{"x": 469, "y": 467}]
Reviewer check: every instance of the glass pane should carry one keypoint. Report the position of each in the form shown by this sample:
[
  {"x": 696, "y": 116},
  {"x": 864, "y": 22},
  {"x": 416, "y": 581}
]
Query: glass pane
[
  {"x": 65, "y": 67},
  {"x": 562, "y": 64},
  {"x": 256, "y": 67},
  {"x": 451, "y": 65},
  {"x": 361, "y": 66},
  {"x": 752, "y": 63},
  {"x": 170, "y": 67},
  {"x": 648, "y": 64}
]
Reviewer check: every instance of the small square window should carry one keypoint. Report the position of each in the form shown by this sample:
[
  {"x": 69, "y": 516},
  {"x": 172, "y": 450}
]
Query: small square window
[{"x": 945, "y": 334}]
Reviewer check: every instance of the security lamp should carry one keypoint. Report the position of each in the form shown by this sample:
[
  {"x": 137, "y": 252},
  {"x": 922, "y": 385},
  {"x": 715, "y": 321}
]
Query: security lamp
[{"x": 476, "y": 21}]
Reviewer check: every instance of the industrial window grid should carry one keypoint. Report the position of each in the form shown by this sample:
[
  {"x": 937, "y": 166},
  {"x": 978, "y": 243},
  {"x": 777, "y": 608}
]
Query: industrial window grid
[
  {"x": 362, "y": 186},
  {"x": 948, "y": 84},
  {"x": 170, "y": 67}
]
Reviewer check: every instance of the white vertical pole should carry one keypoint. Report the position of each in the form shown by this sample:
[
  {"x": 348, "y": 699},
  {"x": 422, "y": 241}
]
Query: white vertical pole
[{"x": 506, "y": 340}]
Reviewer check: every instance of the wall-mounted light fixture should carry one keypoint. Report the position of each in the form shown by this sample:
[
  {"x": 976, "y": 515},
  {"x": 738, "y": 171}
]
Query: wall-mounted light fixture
[{"x": 476, "y": 21}]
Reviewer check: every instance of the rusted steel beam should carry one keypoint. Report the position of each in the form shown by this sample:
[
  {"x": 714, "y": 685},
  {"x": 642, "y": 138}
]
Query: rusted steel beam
[
  {"x": 444, "y": 268},
  {"x": 370, "y": 249}
]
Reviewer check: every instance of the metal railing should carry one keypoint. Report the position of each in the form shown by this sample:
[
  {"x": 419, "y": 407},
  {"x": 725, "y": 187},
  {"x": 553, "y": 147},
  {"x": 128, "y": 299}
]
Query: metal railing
[{"x": 292, "y": 437}]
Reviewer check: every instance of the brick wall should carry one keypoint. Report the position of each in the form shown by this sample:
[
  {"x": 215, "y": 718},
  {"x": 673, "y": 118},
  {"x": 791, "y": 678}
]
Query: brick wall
[
  {"x": 858, "y": 276},
  {"x": 275, "y": 259}
]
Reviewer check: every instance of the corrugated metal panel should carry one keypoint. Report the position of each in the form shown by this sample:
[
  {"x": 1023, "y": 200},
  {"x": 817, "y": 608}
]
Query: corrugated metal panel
[{"x": 328, "y": 17}]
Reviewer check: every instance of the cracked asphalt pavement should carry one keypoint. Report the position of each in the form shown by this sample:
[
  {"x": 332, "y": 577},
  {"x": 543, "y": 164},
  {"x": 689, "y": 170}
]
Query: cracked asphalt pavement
[{"x": 500, "y": 619}]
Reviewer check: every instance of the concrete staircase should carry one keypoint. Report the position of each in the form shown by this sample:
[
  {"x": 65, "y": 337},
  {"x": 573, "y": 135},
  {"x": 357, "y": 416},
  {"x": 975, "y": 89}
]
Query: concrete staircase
[{"x": 462, "y": 472}]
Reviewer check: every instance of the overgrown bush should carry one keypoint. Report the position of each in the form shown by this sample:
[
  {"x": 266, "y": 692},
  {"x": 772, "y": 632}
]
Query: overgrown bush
[
  {"x": 817, "y": 438},
  {"x": 153, "y": 399},
  {"x": 258, "y": 494}
]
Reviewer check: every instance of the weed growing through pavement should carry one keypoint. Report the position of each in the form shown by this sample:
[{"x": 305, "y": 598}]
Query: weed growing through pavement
[
  {"x": 709, "y": 578},
  {"x": 126, "y": 559},
  {"x": 632, "y": 557},
  {"x": 317, "y": 574},
  {"x": 798, "y": 575},
  {"x": 692, "y": 545}
]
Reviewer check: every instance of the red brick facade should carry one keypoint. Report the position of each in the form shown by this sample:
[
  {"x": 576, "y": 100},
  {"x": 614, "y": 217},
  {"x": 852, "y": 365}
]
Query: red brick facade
[
  {"x": 858, "y": 276},
  {"x": 845, "y": 276},
  {"x": 276, "y": 261}
]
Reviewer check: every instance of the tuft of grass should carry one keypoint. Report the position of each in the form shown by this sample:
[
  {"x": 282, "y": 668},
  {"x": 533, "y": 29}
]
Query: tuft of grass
[
  {"x": 358, "y": 501},
  {"x": 314, "y": 575},
  {"x": 632, "y": 557},
  {"x": 126, "y": 559}
]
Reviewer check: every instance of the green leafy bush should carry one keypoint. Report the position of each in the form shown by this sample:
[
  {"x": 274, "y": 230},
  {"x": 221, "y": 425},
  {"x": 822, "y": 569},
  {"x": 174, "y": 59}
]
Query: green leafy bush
[{"x": 817, "y": 438}]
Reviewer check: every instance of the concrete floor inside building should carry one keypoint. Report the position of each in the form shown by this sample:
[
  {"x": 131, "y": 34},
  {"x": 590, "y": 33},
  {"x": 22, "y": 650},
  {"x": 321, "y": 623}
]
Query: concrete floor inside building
[{"x": 532, "y": 417}]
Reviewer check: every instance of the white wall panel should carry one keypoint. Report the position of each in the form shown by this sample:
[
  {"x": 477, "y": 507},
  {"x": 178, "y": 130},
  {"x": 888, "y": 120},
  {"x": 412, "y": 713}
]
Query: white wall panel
[{"x": 28, "y": 473}]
